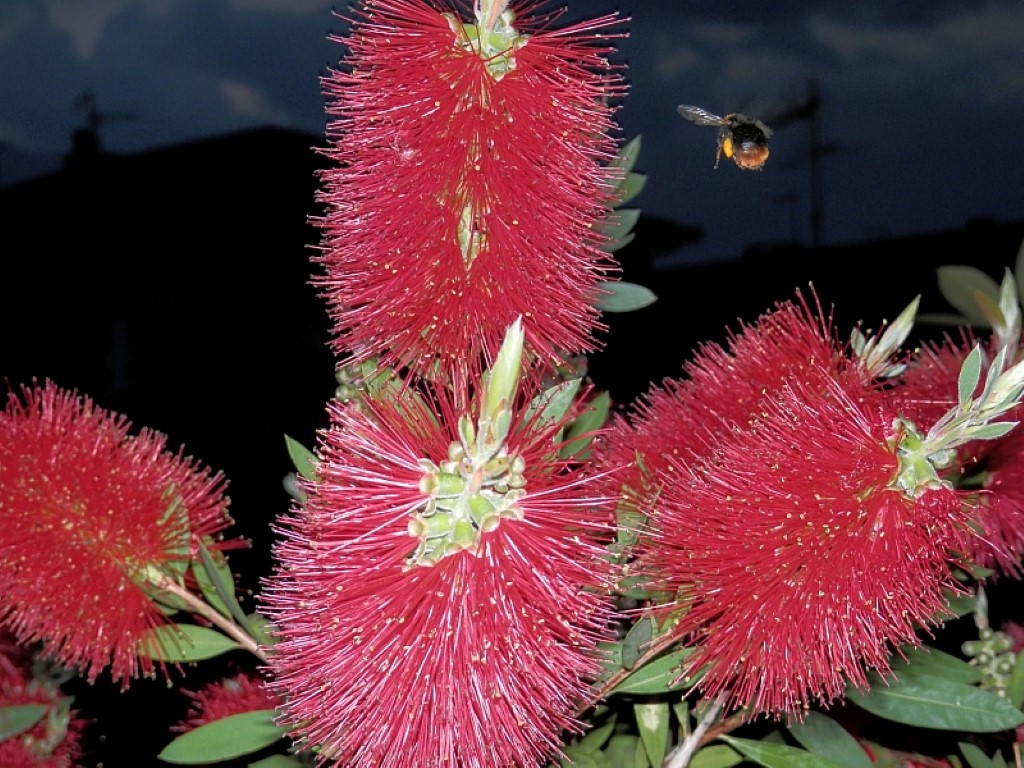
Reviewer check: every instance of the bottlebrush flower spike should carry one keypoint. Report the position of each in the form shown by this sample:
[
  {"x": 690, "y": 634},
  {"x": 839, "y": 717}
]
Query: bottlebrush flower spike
[
  {"x": 991, "y": 468},
  {"x": 55, "y": 740},
  {"x": 244, "y": 692},
  {"x": 76, "y": 488},
  {"x": 471, "y": 162},
  {"x": 440, "y": 594},
  {"x": 801, "y": 563}
]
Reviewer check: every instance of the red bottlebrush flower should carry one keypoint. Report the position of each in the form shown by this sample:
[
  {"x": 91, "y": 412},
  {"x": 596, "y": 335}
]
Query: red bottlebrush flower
[
  {"x": 722, "y": 389},
  {"x": 244, "y": 692},
  {"x": 800, "y": 565},
  {"x": 76, "y": 489},
  {"x": 466, "y": 185},
  {"x": 55, "y": 740},
  {"x": 993, "y": 468},
  {"x": 472, "y": 650}
]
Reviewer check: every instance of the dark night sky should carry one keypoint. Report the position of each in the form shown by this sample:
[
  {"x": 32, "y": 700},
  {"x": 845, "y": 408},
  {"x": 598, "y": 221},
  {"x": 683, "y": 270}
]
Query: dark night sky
[{"x": 921, "y": 117}]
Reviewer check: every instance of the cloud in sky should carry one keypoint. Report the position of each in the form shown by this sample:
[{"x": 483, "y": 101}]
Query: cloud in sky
[
  {"x": 976, "y": 52},
  {"x": 14, "y": 17},
  {"x": 248, "y": 101},
  {"x": 86, "y": 22},
  {"x": 283, "y": 6}
]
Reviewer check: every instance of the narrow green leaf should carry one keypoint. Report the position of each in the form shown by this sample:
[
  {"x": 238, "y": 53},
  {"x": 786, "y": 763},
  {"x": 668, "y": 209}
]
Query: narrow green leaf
[
  {"x": 957, "y": 283},
  {"x": 621, "y": 750},
  {"x": 278, "y": 761},
  {"x": 931, "y": 702},
  {"x": 657, "y": 676},
  {"x": 630, "y": 187},
  {"x": 555, "y": 401},
  {"x": 823, "y": 736},
  {"x": 1015, "y": 687},
  {"x": 577, "y": 434},
  {"x": 652, "y": 722},
  {"x": 772, "y": 755},
  {"x": 224, "y": 739},
  {"x": 932, "y": 662},
  {"x": 184, "y": 642},
  {"x": 716, "y": 756},
  {"x": 625, "y": 297},
  {"x": 975, "y": 757},
  {"x": 302, "y": 458},
  {"x": 628, "y": 154},
  {"x": 596, "y": 737},
  {"x": 635, "y": 643},
  {"x": 214, "y": 577},
  {"x": 18, "y": 718},
  {"x": 970, "y": 375},
  {"x": 993, "y": 431},
  {"x": 618, "y": 224},
  {"x": 574, "y": 758},
  {"x": 612, "y": 245}
]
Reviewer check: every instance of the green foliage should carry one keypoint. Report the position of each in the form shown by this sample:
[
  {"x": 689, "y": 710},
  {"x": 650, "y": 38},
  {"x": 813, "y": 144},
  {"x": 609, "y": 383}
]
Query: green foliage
[
  {"x": 932, "y": 702},
  {"x": 184, "y": 642},
  {"x": 224, "y": 739}
]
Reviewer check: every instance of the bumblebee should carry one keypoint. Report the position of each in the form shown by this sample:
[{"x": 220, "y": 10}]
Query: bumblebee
[{"x": 741, "y": 139}]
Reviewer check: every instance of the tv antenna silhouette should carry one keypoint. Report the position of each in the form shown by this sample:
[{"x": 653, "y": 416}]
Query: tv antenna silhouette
[
  {"x": 808, "y": 111},
  {"x": 86, "y": 139}
]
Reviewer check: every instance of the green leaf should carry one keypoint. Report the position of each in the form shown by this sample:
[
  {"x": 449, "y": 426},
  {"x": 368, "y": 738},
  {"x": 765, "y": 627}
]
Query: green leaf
[
  {"x": 958, "y": 282},
  {"x": 278, "y": 761},
  {"x": 574, "y": 758},
  {"x": 630, "y": 187},
  {"x": 657, "y": 676},
  {"x": 184, "y": 642},
  {"x": 1015, "y": 686},
  {"x": 970, "y": 375},
  {"x": 635, "y": 643},
  {"x": 617, "y": 225},
  {"x": 577, "y": 435},
  {"x": 214, "y": 577},
  {"x": 931, "y": 702},
  {"x": 302, "y": 458},
  {"x": 975, "y": 757},
  {"x": 624, "y": 297},
  {"x": 716, "y": 756},
  {"x": 596, "y": 737},
  {"x": 224, "y": 739},
  {"x": 932, "y": 662},
  {"x": 993, "y": 431},
  {"x": 772, "y": 755},
  {"x": 554, "y": 402},
  {"x": 652, "y": 722},
  {"x": 823, "y": 736},
  {"x": 628, "y": 154},
  {"x": 622, "y": 750},
  {"x": 18, "y": 718}
]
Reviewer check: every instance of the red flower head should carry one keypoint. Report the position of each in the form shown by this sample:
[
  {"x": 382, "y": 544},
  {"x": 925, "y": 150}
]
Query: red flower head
[
  {"x": 801, "y": 562},
  {"x": 471, "y": 166},
  {"x": 992, "y": 468},
  {"x": 435, "y": 600},
  {"x": 771, "y": 479},
  {"x": 54, "y": 741},
  {"x": 722, "y": 389},
  {"x": 244, "y": 692},
  {"x": 76, "y": 489}
]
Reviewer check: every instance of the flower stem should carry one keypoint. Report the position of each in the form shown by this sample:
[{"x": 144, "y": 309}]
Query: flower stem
[
  {"x": 200, "y": 608},
  {"x": 680, "y": 756}
]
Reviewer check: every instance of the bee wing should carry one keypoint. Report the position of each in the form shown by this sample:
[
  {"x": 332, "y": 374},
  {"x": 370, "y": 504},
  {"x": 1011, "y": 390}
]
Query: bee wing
[{"x": 699, "y": 116}]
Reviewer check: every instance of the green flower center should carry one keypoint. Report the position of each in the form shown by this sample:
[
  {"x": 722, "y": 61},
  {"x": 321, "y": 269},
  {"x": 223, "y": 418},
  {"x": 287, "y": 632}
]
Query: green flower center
[{"x": 467, "y": 497}]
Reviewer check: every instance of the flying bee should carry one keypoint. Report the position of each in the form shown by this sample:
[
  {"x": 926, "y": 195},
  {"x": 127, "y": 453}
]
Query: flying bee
[{"x": 741, "y": 139}]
